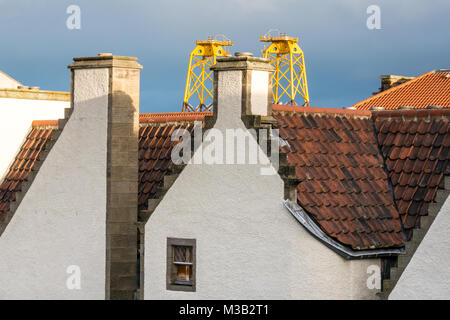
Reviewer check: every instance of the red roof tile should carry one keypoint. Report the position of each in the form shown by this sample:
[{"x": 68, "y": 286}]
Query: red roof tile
[
  {"x": 24, "y": 163},
  {"x": 417, "y": 158},
  {"x": 432, "y": 88},
  {"x": 155, "y": 147},
  {"x": 343, "y": 184}
]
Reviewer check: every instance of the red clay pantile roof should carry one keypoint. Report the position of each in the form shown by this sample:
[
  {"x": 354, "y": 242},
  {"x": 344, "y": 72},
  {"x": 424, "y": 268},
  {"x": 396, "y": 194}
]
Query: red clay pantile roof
[
  {"x": 416, "y": 148},
  {"x": 432, "y": 88},
  {"x": 155, "y": 147},
  {"x": 344, "y": 186},
  {"x": 24, "y": 162}
]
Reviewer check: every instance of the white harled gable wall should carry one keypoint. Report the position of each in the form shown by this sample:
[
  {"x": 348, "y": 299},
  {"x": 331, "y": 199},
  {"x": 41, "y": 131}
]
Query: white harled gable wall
[
  {"x": 16, "y": 116},
  {"x": 248, "y": 245},
  {"x": 427, "y": 276},
  {"x": 6, "y": 82},
  {"x": 61, "y": 220}
]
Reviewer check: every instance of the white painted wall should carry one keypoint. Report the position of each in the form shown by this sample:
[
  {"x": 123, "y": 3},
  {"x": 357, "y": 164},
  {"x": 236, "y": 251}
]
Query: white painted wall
[
  {"x": 16, "y": 116},
  {"x": 248, "y": 245},
  {"x": 61, "y": 221},
  {"x": 427, "y": 276},
  {"x": 6, "y": 82},
  {"x": 259, "y": 93}
]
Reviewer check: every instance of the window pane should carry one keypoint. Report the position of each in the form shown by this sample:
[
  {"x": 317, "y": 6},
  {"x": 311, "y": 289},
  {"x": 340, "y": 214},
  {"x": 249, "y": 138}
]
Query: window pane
[
  {"x": 182, "y": 254},
  {"x": 184, "y": 273}
]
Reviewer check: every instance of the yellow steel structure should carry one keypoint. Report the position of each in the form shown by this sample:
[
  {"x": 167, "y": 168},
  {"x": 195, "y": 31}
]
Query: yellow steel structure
[
  {"x": 287, "y": 58},
  {"x": 198, "y": 93}
]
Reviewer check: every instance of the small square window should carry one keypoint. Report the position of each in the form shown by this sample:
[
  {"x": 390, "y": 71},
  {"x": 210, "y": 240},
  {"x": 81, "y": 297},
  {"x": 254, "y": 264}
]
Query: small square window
[{"x": 180, "y": 264}]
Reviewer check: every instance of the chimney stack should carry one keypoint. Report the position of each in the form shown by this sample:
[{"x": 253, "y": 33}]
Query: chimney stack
[
  {"x": 107, "y": 87},
  {"x": 242, "y": 87},
  {"x": 389, "y": 81}
]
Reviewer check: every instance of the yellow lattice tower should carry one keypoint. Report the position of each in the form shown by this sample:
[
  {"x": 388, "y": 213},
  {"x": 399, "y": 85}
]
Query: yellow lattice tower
[
  {"x": 198, "y": 94},
  {"x": 287, "y": 58}
]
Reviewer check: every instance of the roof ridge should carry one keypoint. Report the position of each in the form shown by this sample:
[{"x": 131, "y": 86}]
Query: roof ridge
[
  {"x": 173, "y": 117},
  {"x": 330, "y": 111},
  {"x": 404, "y": 84},
  {"x": 441, "y": 71},
  {"x": 44, "y": 123},
  {"x": 413, "y": 113},
  {"x": 150, "y": 114}
]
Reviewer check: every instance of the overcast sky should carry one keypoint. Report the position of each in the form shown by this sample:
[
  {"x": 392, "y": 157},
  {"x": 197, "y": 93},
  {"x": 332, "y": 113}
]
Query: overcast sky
[{"x": 344, "y": 59}]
